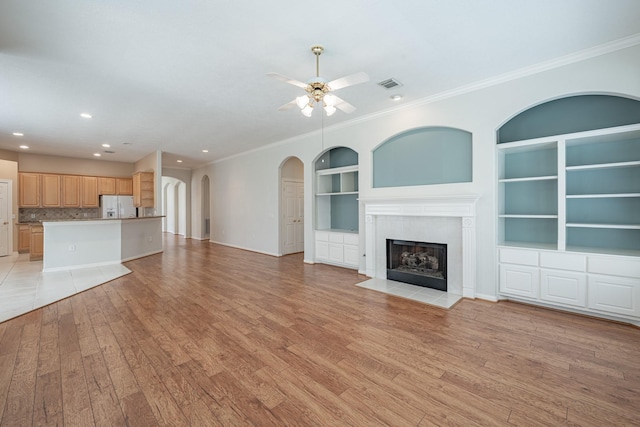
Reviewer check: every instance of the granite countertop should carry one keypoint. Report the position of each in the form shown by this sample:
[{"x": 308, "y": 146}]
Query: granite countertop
[{"x": 38, "y": 222}]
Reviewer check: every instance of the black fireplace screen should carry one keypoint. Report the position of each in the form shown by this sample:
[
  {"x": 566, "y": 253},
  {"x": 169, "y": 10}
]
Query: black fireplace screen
[{"x": 418, "y": 263}]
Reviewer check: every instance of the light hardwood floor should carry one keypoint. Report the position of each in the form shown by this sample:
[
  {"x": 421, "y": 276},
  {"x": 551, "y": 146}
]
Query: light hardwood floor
[{"x": 208, "y": 335}]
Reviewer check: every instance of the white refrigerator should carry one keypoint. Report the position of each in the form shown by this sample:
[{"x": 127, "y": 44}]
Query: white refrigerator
[{"x": 117, "y": 207}]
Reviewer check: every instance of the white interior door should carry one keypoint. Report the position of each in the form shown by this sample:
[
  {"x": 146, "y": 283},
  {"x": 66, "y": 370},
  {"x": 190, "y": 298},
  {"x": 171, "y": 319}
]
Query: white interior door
[
  {"x": 293, "y": 219},
  {"x": 4, "y": 219},
  {"x": 300, "y": 216}
]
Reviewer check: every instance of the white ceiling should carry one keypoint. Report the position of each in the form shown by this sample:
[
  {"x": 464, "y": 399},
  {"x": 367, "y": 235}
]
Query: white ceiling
[{"x": 182, "y": 76}]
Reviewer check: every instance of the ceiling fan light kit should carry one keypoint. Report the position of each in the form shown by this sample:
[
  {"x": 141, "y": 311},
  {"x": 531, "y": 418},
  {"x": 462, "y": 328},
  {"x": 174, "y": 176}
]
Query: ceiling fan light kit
[{"x": 318, "y": 90}]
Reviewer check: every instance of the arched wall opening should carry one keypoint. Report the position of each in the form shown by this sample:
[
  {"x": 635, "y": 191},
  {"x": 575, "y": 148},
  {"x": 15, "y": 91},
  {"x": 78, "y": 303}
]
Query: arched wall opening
[
  {"x": 174, "y": 205},
  {"x": 205, "y": 206},
  {"x": 291, "y": 206}
]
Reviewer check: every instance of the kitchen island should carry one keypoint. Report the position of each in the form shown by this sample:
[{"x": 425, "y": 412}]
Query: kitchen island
[{"x": 82, "y": 243}]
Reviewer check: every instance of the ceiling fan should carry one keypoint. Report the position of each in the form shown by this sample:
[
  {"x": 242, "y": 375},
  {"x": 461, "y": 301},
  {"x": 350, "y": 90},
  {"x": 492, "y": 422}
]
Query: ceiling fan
[{"x": 319, "y": 91}]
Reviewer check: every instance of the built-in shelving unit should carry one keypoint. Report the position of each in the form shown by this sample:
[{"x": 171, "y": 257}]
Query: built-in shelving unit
[
  {"x": 528, "y": 184},
  {"x": 336, "y": 221},
  {"x": 569, "y": 221},
  {"x": 578, "y": 191},
  {"x": 337, "y": 181}
]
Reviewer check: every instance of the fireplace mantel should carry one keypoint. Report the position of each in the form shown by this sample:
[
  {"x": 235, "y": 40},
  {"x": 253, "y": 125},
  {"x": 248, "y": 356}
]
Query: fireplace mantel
[{"x": 454, "y": 206}]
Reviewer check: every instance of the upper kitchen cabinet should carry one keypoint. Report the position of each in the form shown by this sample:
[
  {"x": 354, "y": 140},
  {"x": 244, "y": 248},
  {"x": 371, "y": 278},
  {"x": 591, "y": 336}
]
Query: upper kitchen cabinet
[
  {"x": 50, "y": 195},
  {"x": 124, "y": 186},
  {"x": 90, "y": 197},
  {"x": 143, "y": 194},
  {"x": 29, "y": 190},
  {"x": 106, "y": 185},
  {"x": 70, "y": 191}
]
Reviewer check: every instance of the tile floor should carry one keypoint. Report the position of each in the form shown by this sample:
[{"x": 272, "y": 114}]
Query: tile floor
[
  {"x": 412, "y": 292},
  {"x": 24, "y": 287}
]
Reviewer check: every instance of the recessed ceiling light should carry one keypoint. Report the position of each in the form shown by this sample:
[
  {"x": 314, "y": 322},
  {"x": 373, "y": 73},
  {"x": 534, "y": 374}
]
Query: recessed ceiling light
[
  {"x": 396, "y": 97},
  {"x": 24, "y": 147},
  {"x": 18, "y": 134},
  {"x": 205, "y": 151},
  {"x": 106, "y": 145},
  {"x": 97, "y": 154},
  {"x": 179, "y": 161},
  {"x": 85, "y": 115}
]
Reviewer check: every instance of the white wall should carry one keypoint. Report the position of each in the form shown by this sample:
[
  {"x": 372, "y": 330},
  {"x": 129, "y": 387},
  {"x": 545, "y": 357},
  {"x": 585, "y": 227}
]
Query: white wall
[{"x": 244, "y": 188}]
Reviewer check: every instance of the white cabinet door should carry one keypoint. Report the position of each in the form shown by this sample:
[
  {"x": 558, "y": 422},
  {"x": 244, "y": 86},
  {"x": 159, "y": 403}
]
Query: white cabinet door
[
  {"x": 519, "y": 280},
  {"x": 351, "y": 255},
  {"x": 336, "y": 252},
  {"x": 620, "y": 295},
  {"x": 564, "y": 287},
  {"x": 322, "y": 250}
]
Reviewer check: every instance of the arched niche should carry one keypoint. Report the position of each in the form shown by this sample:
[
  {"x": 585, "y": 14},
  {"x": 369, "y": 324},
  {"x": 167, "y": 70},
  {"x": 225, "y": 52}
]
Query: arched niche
[
  {"x": 570, "y": 114},
  {"x": 424, "y": 156},
  {"x": 337, "y": 189}
]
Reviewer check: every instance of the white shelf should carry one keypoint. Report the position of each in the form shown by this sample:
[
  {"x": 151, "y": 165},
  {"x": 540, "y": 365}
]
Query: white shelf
[
  {"x": 602, "y": 196},
  {"x": 530, "y": 178},
  {"x": 337, "y": 194},
  {"x": 528, "y": 216},
  {"x": 616, "y": 226},
  {"x": 333, "y": 171},
  {"x": 604, "y": 166},
  {"x": 529, "y": 245}
]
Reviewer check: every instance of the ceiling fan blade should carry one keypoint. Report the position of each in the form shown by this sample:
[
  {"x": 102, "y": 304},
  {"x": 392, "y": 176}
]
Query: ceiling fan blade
[
  {"x": 351, "y": 80},
  {"x": 287, "y": 80},
  {"x": 288, "y": 105},
  {"x": 343, "y": 105}
]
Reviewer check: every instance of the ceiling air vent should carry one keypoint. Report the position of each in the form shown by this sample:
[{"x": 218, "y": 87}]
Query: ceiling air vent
[{"x": 389, "y": 83}]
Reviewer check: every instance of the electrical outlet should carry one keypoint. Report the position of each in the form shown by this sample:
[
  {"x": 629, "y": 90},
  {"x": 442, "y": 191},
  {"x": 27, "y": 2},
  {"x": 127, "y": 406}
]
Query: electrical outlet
[
  {"x": 150, "y": 239},
  {"x": 72, "y": 248},
  {"x": 33, "y": 216}
]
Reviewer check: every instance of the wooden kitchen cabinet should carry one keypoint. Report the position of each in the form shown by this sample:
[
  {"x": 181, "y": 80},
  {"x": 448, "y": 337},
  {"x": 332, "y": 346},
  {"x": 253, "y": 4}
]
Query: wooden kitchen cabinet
[
  {"x": 50, "y": 191},
  {"x": 36, "y": 250},
  {"x": 29, "y": 190},
  {"x": 24, "y": 238},
  {"x": 124, "y": 186},
  {"x": 106, "y": 185},
  {"x": 70, "y": 191},
  {"x": 143, "y": 194},
  {"x": 89, "y": 191}
]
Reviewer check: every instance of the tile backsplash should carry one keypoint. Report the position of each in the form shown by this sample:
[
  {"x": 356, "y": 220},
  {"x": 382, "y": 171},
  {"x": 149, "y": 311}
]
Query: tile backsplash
[{"x": 43, "y": 214}]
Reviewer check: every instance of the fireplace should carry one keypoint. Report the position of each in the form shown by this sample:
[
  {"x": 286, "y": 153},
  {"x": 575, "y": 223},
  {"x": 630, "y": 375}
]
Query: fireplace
[
  {"x": 417, "y": 263},
  {"x": 447, "y": 220}
]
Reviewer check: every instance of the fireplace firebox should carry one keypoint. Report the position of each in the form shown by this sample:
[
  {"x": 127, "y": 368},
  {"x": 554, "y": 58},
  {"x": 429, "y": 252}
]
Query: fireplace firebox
[{"x": 417, "y": 263}]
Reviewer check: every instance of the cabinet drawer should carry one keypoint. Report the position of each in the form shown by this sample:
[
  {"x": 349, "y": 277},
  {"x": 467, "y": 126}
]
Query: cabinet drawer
[
  {"x": 614, "y": 266},
  {"x": 350, "y": 239},
  {"x": 322, "y": 236},
  {"x": 564, "y": 287},
  {"x": 560, "y": 261},
  {"x": 617, "y": 295},
  {"x": 518, "y": 256},
  {"x": 520, "y": 281},
  {"x": 336, "y": 237}
]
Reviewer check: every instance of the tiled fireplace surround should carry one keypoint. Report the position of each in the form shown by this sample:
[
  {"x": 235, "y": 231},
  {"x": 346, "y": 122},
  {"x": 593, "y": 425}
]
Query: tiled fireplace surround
[{"x": 443, "y": 219}]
